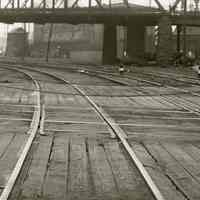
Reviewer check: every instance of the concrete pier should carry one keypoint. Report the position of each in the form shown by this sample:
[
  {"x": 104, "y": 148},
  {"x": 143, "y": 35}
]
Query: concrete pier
[
  {"x": 136, "y": 40},
  {"x": 164, "y": 49},
  {"x": 109, "y": 44}
]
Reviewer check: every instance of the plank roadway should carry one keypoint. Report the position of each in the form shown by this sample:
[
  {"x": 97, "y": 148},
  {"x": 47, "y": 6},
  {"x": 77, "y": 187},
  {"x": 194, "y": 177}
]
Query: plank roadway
[{"x": 78, "y": 159}]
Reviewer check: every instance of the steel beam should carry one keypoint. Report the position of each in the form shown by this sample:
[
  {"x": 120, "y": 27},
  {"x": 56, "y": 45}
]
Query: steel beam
[
  {"x": 159, "y": 5},
  {"x": 75, "y": 3},
  {"x": 126, "y": 3},
  {"x": 99, "y": 3},
  {"x": 175, "y": 4}
]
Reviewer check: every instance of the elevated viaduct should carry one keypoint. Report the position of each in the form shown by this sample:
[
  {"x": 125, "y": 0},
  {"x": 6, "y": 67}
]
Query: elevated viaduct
[{"x": 134, "y": 17}]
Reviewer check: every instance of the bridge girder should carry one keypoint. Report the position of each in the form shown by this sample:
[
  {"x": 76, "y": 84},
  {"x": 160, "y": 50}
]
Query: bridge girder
[
  {"x": 27, "y": 12},
  {"x": 78, "y": 16},
  {"x": 65, "y": 4}
]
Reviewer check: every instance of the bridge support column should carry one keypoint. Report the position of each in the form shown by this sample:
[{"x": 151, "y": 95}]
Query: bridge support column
[
  {"x": 135, "y": 40},
  {"x": 178, "y": 38},
  {"x": 110, "y": 44},
  {"x": 165, "y": 47}
]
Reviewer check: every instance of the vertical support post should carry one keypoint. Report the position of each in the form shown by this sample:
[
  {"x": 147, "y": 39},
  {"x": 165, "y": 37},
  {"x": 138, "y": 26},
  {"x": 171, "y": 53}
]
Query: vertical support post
[
  {"x": 18, "y": 3},
  {"x": 136, "y": 40},
  {"x": 178, "y": 39},
  {"x": 164, "y": 48},
  {"x": 90, "y": 3},
  {"x": 49, "y": 41},
  {"x": 24, "y": 50},
  {"x": 44, "y": 4},
  {"x": 66, "y": 4},
  {"x": 110, "y": 44},
  {"x": 53, "y": 4},
  {"x": 110, "y": 3},
  {"x": 13, "y": 3},
  {"x": 7, "y": 28},
  {"x": 184, "y": 31},
  {"x": 32, "y": 3}
]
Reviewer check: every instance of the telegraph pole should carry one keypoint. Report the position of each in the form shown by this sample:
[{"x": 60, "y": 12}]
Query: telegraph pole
[
  {"x": 49, "y": 42},
  {"x": 185, "y": 30},
  {"x": 25, "y": 40}
]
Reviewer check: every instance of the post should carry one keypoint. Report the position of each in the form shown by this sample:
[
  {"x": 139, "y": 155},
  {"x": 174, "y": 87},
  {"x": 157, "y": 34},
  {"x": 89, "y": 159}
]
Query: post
[
  {"x": 185, "y": 31},
  {"x": 110, "y": 44},
  {"x": 178, "y": 46},
  {"x": 66, "y": 4},
  {"x": 53, "y": 4},
  {"x": 32, "y": 3},
  {"x": 136, "y": 40},
  {"x": 110, "y": 3},
  {"x": 24, "y": 50},
  {"x": 44, "y": 4},
  {"x": 49, "y": 41},
  {"x": 164, "y": 48},
  {"x": 13, "y": 3},
  {"x": 18, "y": 3}
]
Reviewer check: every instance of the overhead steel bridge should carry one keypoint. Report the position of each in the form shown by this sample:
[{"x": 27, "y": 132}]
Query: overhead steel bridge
[{"x": 93, "y": 12}]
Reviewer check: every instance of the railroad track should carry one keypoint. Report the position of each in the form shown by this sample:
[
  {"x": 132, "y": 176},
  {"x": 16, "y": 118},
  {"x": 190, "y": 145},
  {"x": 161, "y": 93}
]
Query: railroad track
[
  {"x": 179, "y": 101},
  {"x": 168, "y": 184},
  {"x": 11, "y": 179},
  {"x": 116, "y": 131}
]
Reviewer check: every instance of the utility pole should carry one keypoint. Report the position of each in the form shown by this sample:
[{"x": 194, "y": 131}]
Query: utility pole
[
  {"x": 25, "y": 40},
  {"x": 49, "y": 42},
  {"x": 185, "y": 30}
]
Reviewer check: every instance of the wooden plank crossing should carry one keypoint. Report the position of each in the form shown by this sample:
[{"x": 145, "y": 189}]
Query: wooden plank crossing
[
  {"x": 79, "y": 157},
  {"x": 82, "y": 169}
]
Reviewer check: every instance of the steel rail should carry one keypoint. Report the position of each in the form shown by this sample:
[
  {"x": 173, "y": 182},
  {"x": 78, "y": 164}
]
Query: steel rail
[
  {"x": 147, "y": 81},
  {"x": 169, "y": 74},
  {"x": 172, "y": 77},
  {"x": 183, "y": 102},
  {"x": 32, "y": 131},
  {"x": 158, "y": 84},
  {"x": 120, "y": 134},
  {"x": 138, "y": 79}
]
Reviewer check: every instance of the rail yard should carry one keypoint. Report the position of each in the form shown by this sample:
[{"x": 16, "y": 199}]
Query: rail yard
[{"x": 84, "y": 132}]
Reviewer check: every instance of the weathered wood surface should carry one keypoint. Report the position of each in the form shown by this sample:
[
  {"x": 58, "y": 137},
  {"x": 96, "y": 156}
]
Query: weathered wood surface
[{"x": 79, "y": 160}]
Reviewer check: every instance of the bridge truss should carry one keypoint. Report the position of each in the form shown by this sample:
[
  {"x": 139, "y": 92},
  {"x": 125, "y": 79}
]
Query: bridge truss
[
  {"x": 93, "y": 11},
  {"x": 55, "y": 4}
]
